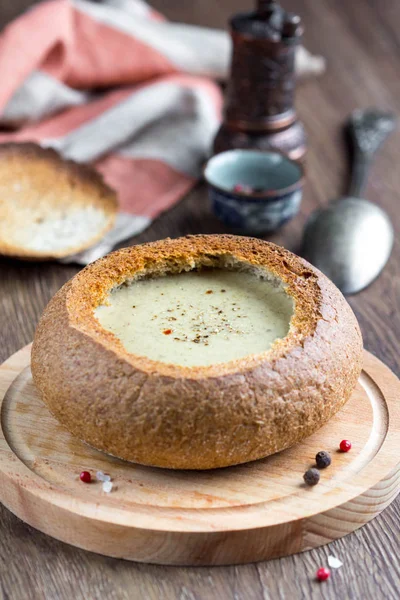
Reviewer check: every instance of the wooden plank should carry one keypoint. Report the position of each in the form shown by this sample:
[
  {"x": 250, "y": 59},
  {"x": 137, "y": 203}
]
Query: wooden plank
[{"x": 241, "y": 514}]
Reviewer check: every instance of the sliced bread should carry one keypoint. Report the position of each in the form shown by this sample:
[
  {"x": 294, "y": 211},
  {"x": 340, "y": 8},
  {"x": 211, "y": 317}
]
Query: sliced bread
[{"x": 50, "y": 207}]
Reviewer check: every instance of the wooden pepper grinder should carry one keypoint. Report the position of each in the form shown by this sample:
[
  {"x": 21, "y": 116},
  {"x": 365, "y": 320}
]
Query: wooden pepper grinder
[{"x": 259, "y": 106}]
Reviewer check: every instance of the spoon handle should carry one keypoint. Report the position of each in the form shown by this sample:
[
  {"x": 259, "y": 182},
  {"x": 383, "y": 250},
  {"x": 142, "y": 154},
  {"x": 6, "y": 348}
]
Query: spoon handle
[{"x": 368, "y": 130}]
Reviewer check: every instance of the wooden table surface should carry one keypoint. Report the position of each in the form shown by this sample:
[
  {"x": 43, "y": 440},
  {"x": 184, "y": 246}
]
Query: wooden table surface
[{"x": 361, "y": 40}]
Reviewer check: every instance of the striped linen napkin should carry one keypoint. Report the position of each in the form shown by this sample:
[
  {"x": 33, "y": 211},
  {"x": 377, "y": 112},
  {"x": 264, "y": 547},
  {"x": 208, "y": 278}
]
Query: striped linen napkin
[{"x": 115, "y": 84}]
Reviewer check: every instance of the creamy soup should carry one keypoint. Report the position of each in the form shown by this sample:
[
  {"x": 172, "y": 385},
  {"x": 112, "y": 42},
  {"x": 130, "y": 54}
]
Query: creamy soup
[{"x": 198, "y": 318}]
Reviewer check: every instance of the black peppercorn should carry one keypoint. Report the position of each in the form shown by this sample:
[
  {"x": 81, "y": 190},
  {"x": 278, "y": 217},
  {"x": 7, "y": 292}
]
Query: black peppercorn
[
  {"x": 323, "y": 459},
  {"x": 311, "y": 477}
]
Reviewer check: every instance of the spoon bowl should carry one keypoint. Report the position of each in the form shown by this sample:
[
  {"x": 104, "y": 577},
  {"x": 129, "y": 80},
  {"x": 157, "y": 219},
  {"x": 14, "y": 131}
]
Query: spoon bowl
[{"x": 350, "y": 242}]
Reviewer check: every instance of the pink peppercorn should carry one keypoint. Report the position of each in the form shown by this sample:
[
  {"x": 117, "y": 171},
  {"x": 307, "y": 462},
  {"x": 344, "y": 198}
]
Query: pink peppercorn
[
  {"x": 345, "y": 445},
  {"x": 323, "y": 574},
  {"x": 85, "y": 476}
]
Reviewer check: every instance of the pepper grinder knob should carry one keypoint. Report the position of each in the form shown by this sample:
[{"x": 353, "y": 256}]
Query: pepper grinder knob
[
  {"x": 266, "y": 6},
  {"x": 266, "y": 9},
  {"x": 292, "y": 26}
]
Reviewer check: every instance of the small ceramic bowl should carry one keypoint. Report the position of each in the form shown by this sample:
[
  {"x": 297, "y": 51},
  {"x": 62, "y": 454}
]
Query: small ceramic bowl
[{"x": 272, "y": 187}]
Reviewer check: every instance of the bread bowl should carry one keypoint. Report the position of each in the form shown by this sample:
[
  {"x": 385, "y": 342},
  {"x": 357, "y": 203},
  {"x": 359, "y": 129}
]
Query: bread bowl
[
  {"x": 50, "y": 207},
  {"x": 205, "y": 414}
]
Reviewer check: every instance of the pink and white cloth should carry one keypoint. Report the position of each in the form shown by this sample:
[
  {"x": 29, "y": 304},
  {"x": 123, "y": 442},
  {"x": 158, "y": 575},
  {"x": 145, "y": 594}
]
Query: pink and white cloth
[{"x": 115, "y": 84}]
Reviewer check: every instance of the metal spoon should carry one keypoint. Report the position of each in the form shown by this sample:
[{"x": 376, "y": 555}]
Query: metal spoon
[{"x": 351, "y": 240}]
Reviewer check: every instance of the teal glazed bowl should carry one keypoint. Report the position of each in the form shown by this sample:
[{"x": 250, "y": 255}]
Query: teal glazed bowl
[{"x": 254, "y": 192}]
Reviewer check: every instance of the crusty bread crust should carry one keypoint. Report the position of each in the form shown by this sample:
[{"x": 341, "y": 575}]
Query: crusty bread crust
[
  {"x": 196, "y": 417},
  {"x": 52, "y": 178}
]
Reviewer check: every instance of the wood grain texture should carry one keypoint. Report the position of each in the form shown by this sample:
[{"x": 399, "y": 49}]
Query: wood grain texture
[
  {"x": 361, "y": 42},
  {"x": 235, "y": 515}
]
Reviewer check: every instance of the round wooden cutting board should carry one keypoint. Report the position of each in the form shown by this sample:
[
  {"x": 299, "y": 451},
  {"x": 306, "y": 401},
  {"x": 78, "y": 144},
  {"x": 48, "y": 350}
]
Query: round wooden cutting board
[{"x": 239, "y": 514}]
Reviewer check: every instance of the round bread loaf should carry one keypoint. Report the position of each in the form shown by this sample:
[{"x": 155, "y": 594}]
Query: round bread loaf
[{"x": 196, "y": 417}]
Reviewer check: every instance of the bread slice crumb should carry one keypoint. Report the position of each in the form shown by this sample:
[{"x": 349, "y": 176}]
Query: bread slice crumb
[{"x": 50, "y": 207}]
